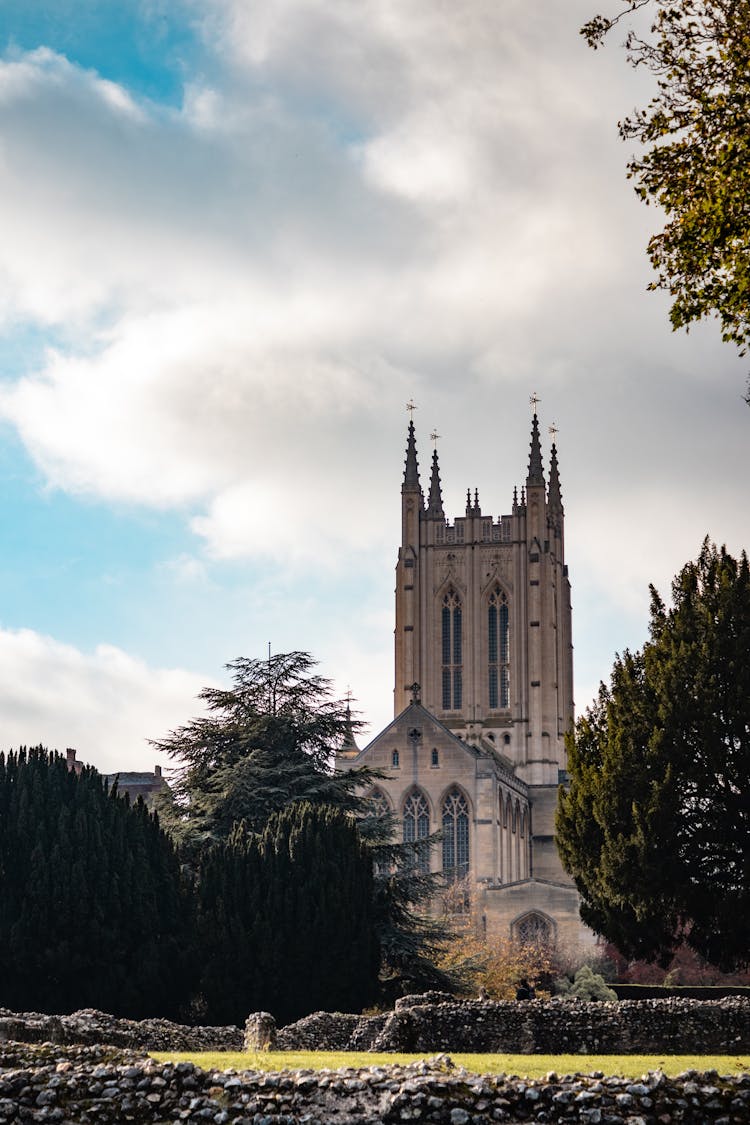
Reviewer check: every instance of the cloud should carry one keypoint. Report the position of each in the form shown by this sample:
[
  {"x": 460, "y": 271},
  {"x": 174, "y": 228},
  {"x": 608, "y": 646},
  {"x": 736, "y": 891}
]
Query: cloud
[
  {"x": 105, "y": 704},
  {"x": 356, "y": 204}
]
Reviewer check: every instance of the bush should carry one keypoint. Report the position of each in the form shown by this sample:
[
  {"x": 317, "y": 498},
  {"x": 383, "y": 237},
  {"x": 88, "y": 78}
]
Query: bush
[{"x": 587, "y": 985}]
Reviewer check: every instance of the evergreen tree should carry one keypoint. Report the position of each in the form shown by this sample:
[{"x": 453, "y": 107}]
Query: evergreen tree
[
  {"x": 285, "y": 918},
  {"x": 655, "y": 827},
  {"x": 92, "y": 912},
  {"x": 269, "y": 742}
]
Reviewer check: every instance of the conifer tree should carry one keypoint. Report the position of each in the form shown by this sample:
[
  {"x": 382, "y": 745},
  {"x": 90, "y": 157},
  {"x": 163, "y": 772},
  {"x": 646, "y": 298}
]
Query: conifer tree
[
  {"x": 285, "y": 918},
  {"x": 268, "y": 743},
  {"x": 655, "y": 827},
  {"x": 92, "y": 911}
]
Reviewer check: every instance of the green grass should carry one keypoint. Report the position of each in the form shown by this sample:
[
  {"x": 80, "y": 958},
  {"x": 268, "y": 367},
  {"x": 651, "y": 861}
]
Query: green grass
[{"x": 525, "y": 1066}]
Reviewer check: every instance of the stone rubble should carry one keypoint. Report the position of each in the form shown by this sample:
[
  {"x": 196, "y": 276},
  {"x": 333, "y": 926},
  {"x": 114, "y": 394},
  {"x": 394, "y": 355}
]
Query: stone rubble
[
  {"x": 92, "y": 1026},
  {"x": 89, "y": 1085}
]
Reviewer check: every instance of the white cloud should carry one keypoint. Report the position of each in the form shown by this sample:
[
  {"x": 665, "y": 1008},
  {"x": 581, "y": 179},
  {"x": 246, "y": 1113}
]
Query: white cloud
[
  {"x": 105, "y": 704},
  {"x": 357, "y": 204}
]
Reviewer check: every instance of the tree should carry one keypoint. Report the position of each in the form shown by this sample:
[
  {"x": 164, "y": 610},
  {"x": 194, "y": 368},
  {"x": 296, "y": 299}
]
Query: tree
[
  {"x": 696, "y": 166},
  {"x": 92, "y": 909},
  {"x": 655, "y": 827},
  {"x": 268, "y": 742},
  {"x": 285, "y": 918}
]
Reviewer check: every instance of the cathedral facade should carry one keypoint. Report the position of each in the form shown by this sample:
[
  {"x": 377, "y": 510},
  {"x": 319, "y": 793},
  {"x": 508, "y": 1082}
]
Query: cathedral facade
[{"x": 483, "y": 697}]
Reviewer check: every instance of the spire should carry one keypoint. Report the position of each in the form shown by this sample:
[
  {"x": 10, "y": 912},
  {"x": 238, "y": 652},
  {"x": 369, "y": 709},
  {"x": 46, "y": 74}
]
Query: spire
[
  {"x": 411, "y": 468},
  {"x": 435, "y": 501},
  {"x": 536, "y": 472},
  {"x": 554, "y": 495},
  {"x": 349, "y": 743}
]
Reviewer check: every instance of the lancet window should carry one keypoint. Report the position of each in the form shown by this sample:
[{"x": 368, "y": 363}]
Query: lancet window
[
  {"x": 455, "y": 836},
  {"x": 452, "y": 651},
  {"x": 498, "y": 650},
  {"x": 417, "y": 826}
]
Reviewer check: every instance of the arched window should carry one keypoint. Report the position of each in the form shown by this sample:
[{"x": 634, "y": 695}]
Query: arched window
[
  {"x": 394, "y": 759},
  {"x": 417, "y": 826},
  {"x": 534, "y": 929},
  {"x": 452, "y": 651},
  {"x": 498, "y": 650},
  {"x": 435, "y": 757},
  {"x": 378, "y": 803},
  {"x": 455, "y": 836}
]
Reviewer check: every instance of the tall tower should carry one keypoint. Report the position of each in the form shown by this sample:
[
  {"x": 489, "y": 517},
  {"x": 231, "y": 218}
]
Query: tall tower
[{"x": 483, "y": 617}]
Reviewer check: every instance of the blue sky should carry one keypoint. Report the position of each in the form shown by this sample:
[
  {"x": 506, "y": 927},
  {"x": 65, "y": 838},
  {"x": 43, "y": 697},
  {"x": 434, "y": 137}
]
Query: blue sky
[{"x": 236, "y": 239}]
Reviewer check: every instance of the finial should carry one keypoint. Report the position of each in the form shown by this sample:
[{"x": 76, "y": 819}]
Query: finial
[
  {"x": 435, "y": 499},
  {"x": 554, "y": 495},
  {"x": 411, "y": 468},
  {"x": 534, "y": 400},
  {"x": 536, "y": 472},
  {"x": 411, "y": 406},
  {"x": 468, "y": 501},
  {"x": 476, "y": 498},
  {"x": 434, "y": 438},
  {"x": 415, "y": 690}
]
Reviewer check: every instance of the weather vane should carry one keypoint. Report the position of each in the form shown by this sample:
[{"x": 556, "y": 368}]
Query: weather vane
[
  {"x": 534, "y": 399},
  {"x": 411, "y": 406},
  {"x": 554, "y": 431},
  {"x": 434, "y": 437}
]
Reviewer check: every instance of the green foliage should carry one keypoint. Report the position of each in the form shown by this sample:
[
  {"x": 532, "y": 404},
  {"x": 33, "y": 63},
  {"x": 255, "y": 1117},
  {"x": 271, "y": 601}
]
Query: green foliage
[
  {"x": 655, "y": 828},
  {"x": 267, "y": 743},
  {"x": 586, "y": 985},
  {"x": 285, "y": 918},
  {"x": 696, "y": 164},
  {"x": 92, "y": 910}
]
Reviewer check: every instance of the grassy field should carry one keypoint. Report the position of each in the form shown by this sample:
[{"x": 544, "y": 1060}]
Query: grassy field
[{"x": 525, "y": 1066}]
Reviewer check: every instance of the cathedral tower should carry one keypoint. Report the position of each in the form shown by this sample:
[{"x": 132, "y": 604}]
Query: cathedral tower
[
  {"x": 483, "y": 617},
  {"x": 483, "y": 698}
]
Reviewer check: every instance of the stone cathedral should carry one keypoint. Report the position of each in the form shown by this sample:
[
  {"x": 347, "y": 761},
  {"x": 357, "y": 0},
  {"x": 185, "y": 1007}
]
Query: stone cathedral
[{"x": 483, "y": 697}]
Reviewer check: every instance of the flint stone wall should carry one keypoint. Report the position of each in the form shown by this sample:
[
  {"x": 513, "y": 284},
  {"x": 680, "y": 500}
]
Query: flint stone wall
[
  {"x": 84, "y": 1085},
  {"x": 541, "y": 1027},
  {"x": 90, "y": 1026}
]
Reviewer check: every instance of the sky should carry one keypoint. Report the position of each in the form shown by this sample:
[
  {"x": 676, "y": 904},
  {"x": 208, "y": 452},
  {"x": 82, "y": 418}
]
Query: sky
[{"x": 236, "y": 237}]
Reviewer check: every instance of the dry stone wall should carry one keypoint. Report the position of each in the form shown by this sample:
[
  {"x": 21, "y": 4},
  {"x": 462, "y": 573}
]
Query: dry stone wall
[
  {"x": 94, "y": 1027},
  {"x": 437, "y": 1023},
  {"x": 83, "y": 1085}
]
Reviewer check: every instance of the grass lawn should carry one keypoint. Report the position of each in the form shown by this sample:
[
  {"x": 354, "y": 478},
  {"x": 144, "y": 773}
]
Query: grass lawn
[{"x": 525, "y": 1066}]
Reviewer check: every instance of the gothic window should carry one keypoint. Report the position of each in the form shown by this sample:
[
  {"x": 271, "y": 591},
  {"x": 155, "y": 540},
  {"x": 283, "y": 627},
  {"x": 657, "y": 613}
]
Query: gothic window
[
  {"x": 417, "y": 826},
  {"x": 435, "y": 758},
  {"x": 498, "y": 650},
  {"x": 394, "y": 759},
  {"x": 534, "y": 929},
  {"x": 455, "y": 836},
  {"x": 379, "y": 805},
  {"x": 451, "y": 651}
]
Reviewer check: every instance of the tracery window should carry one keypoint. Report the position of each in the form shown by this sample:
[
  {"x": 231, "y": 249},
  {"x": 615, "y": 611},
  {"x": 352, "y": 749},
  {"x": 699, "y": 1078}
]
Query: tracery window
[
  {"x": 417, "y": 826},
  {"x": 378, "y": 803},
  {"x": 452, "y": 651},
  {"x": 498, "y": 650},
  {"x": 455, "y": 836},
  {"x": 534, "y": 929}
]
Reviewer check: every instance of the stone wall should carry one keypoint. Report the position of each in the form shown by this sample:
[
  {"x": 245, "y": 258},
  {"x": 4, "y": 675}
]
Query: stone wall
[
  {"x": 89, "y": 1026},
  {"x": 545, "y": 1027},
  {"x": 86, "y": 1084}
]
